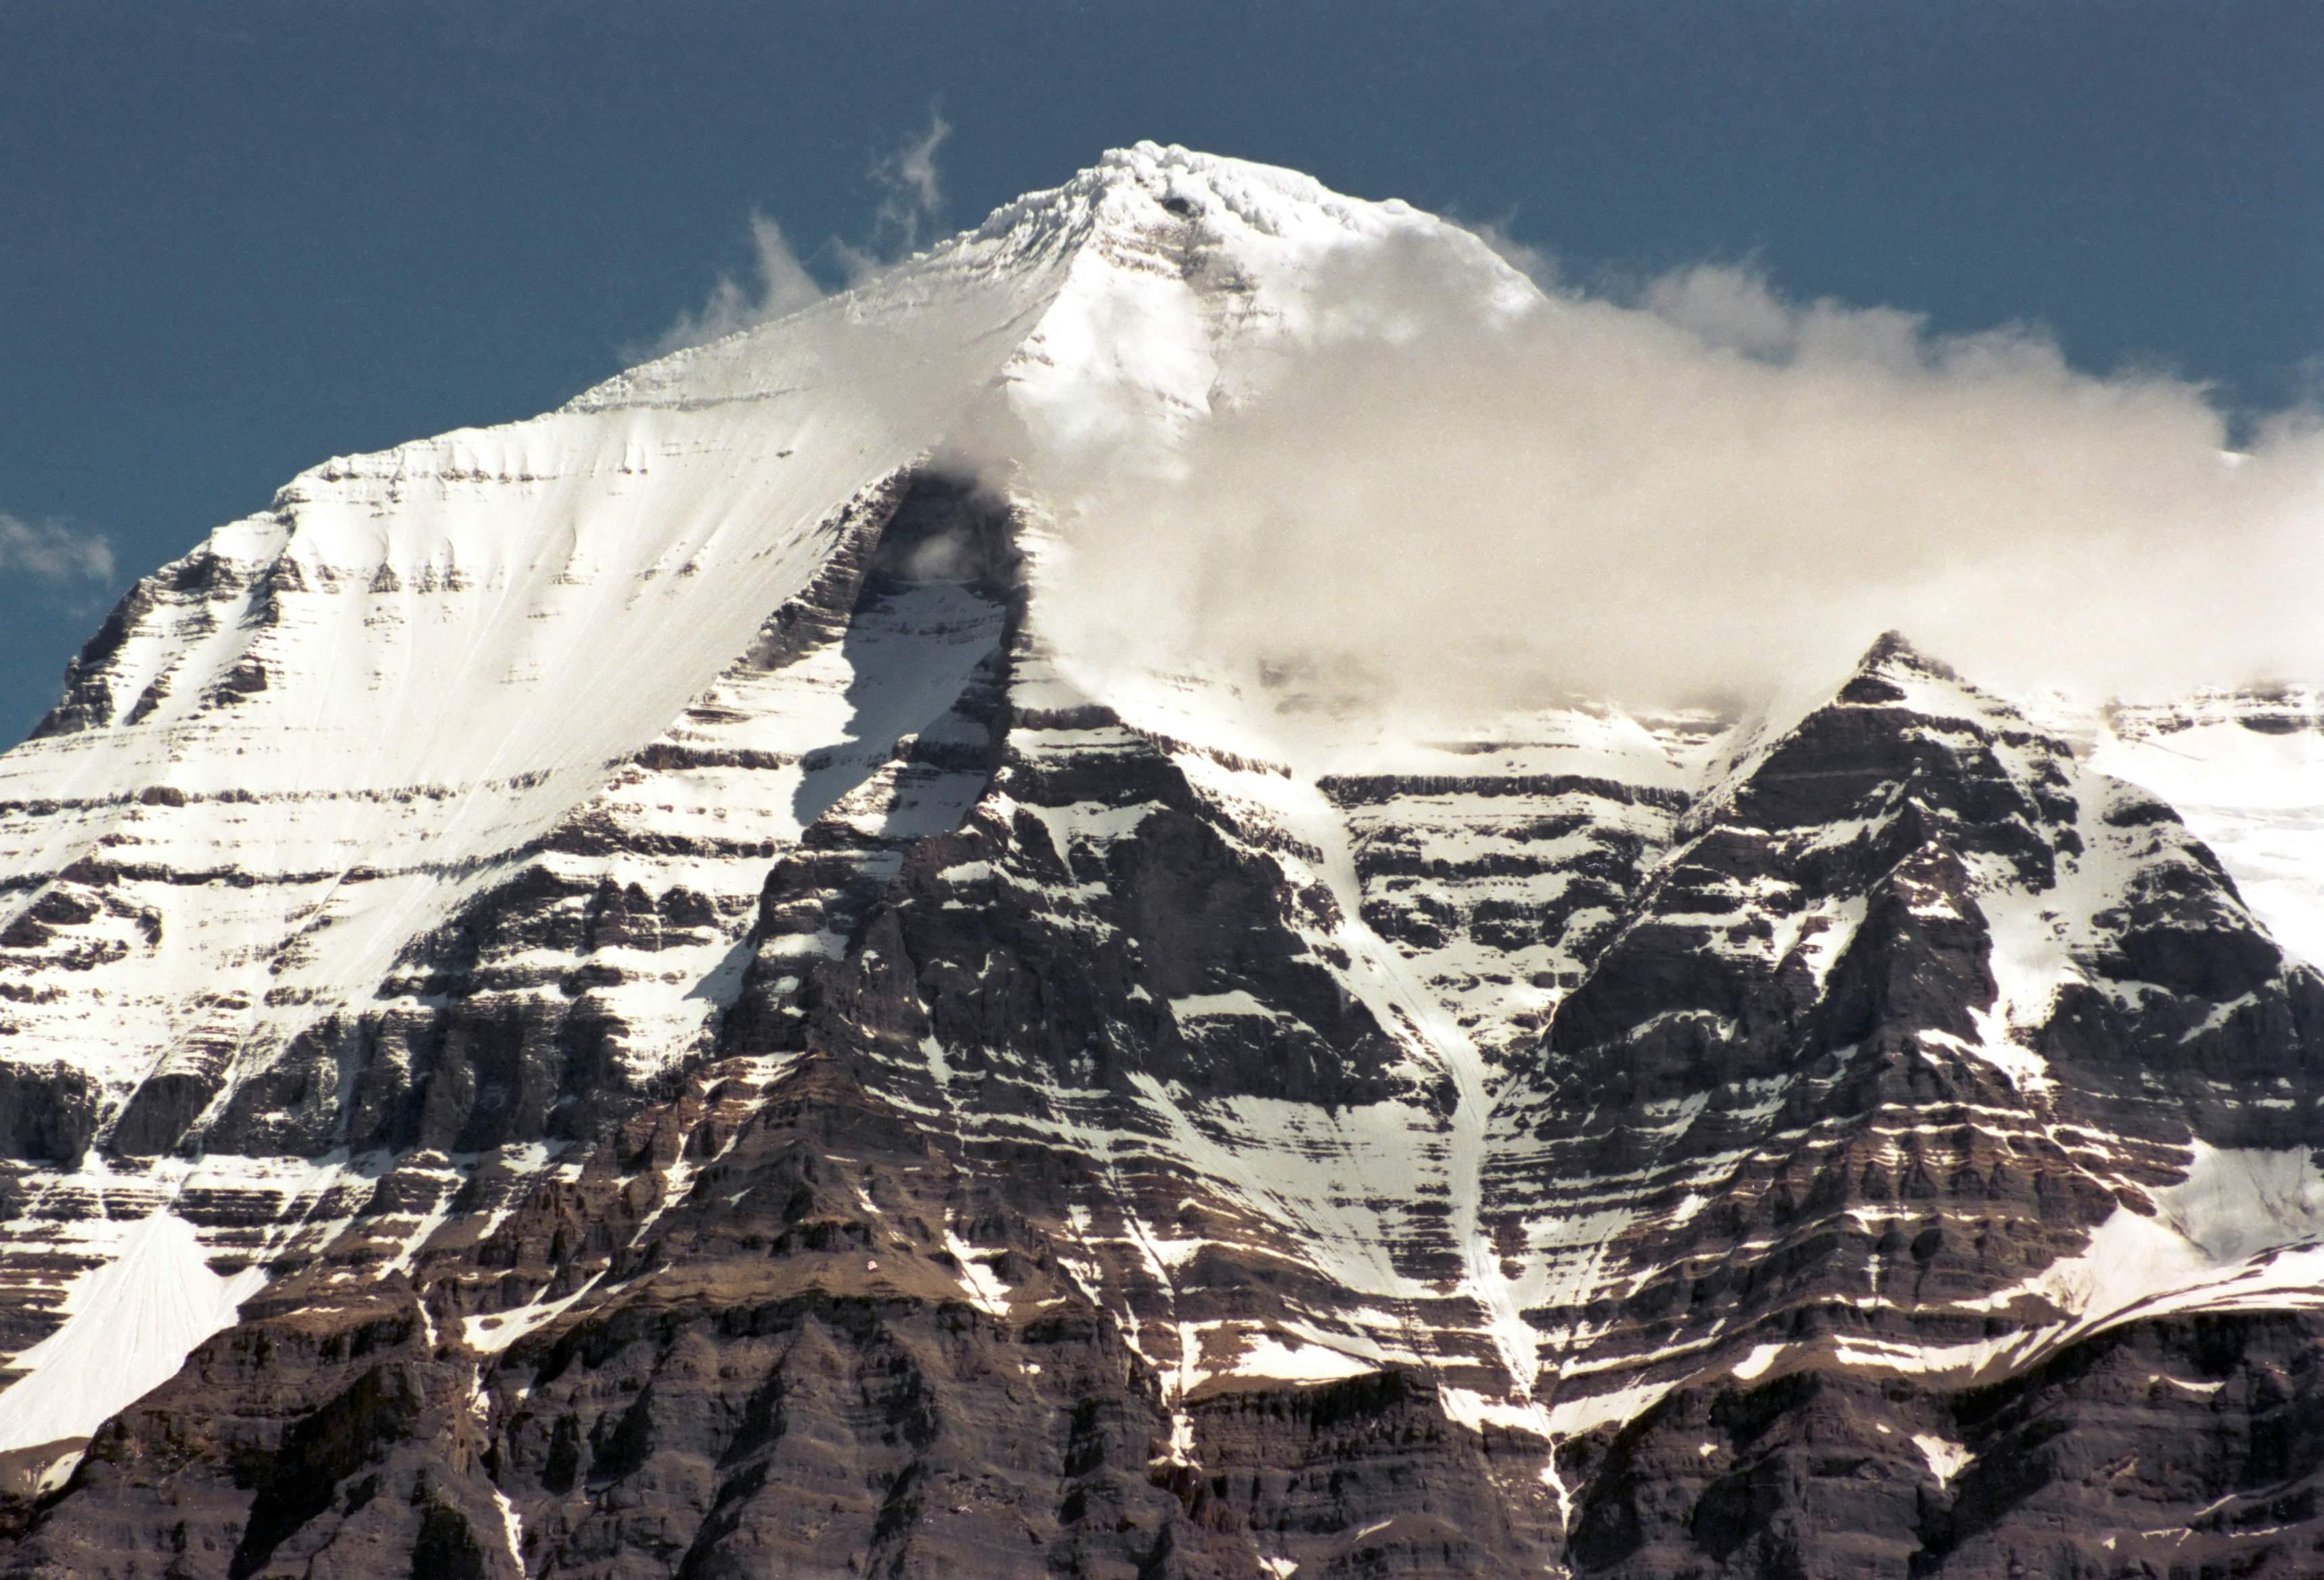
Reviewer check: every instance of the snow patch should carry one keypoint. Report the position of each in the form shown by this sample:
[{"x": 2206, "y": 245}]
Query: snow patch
[
  {"x": 1265, "y": 1354},
  {"x": 131, "y": 1325},
  {"x": 2238, "y": 1202},
  {"x": 985, "y": 1291},
  {"x": 1945, "y": 1457}
]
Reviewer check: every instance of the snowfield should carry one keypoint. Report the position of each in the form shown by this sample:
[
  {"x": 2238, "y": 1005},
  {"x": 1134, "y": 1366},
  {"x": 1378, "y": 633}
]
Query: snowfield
[{"x": 302, "y": 751}]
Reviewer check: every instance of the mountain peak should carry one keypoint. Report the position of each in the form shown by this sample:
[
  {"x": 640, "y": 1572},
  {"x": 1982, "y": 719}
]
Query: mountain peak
[
  {"x": 1892, "y": 676},
  {"x": 1107, "y": 286},
  {"x": 1185, "y": 184},
  {"x": 574, "y": 909},
  {"x": 1892, "y": 652}
]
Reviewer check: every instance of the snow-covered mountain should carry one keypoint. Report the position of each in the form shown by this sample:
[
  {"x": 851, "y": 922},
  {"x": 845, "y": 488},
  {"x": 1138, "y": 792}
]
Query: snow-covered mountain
[{"x": 705, "y": 1037}]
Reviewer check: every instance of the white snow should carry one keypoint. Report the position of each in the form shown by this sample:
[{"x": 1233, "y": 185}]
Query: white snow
[
  {"x": 2238, "y": 1202},
  {"x": 1946, "y": 1458},
  {"x": 131, "y": 1324},
  {"x": 2245, "y": 1230},
  {"x": 469, "y": 640},
  {"x": 512, "y": 1528},
  {"x": 985, "y": 1290},
  {"x": 1266, "y": 1356},
  {"x": 2254, "y": 795}
]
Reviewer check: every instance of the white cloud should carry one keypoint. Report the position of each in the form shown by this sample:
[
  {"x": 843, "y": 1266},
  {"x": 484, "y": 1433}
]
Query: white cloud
[
  {"x": 910, "y": 206},
  {"x": 784, "y": 286},
  {"x": 1532, "y": 262},
  {"x": 1703, "y": 491},
  {"x": 911, "y": 173},
  {"x": 53, "y": 552},
  {"x": 911, "y": 203}
]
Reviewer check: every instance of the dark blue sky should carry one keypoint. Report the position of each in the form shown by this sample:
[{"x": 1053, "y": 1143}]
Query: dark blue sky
[{"x": 236, "y": 239}]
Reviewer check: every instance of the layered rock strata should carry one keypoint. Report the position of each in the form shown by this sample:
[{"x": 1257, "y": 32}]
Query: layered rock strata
[{"x": 610, "y": 997}]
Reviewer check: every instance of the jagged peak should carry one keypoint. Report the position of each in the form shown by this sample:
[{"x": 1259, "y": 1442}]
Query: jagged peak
[
  {"x": 1892, "y": 672},
  {"x": 1891, "y": 650},
  {"x": 1102, "y": 249},
  {"x": 1150, "y": 183},
  {"x": 1893, "y": 677}
]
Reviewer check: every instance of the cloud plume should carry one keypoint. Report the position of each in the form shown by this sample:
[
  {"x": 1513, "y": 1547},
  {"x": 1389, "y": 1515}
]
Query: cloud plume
[
  {"x": 784, "y": 286},
  {"x": 51, "y": 552},
  {"x": 1699, "y": 491},
  {"x": 911, "y": 208},
  {"x": 911, "y": 203}
]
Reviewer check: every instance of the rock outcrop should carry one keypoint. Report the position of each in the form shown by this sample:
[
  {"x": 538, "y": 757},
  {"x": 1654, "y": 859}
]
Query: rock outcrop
[{"x": 706, "y": 1043}]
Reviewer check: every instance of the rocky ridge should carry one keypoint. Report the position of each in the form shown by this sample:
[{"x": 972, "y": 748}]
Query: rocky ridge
[{"x": 872, "y": 1094}]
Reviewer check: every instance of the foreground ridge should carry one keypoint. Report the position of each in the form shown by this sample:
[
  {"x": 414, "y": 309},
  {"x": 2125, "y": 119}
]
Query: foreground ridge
[{"x": 604, "y": 996}]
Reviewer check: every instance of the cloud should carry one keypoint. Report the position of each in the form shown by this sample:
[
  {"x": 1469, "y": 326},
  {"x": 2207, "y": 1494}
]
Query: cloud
[
  {"x": 1699, "y": 491},
  {"x": 911, "y": 203},
  {"x": 784, "y": 286},
  {"x": 53, "y": 552},
  {"x": 910, "y": 206},
  {"x": 1532, "y": 262},
  {"x": 911, "y": 173}
]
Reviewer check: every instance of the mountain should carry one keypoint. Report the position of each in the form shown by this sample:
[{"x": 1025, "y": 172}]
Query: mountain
[{"x": 613, "y": 996}]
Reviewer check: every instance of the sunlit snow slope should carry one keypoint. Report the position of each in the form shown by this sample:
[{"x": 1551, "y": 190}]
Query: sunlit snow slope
[
  {"x": 558, "y": 919},
  {"x": 604, "y": 657}
]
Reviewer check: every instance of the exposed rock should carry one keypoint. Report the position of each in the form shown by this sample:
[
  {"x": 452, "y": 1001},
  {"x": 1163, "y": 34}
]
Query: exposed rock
[{"x": 732, "y": 1053}]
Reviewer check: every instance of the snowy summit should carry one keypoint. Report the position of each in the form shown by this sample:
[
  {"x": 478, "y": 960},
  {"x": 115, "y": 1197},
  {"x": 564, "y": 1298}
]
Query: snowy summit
[{"x": 634, "y": 992}]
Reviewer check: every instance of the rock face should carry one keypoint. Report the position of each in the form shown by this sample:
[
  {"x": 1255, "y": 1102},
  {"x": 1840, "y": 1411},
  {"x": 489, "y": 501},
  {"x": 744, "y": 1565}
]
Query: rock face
[{"x": 705, "y": 1044}]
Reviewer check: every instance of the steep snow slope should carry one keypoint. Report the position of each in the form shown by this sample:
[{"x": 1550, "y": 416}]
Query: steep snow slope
[
  {"x": 2246, "y": 769},
  {"x": 130, "y": 1326},
  {"x": 649, "y": 906},
  {"x": 489, "y": 743},
  {"x": 310, "y": 740},
  {"x": 305, "y": 744}
]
